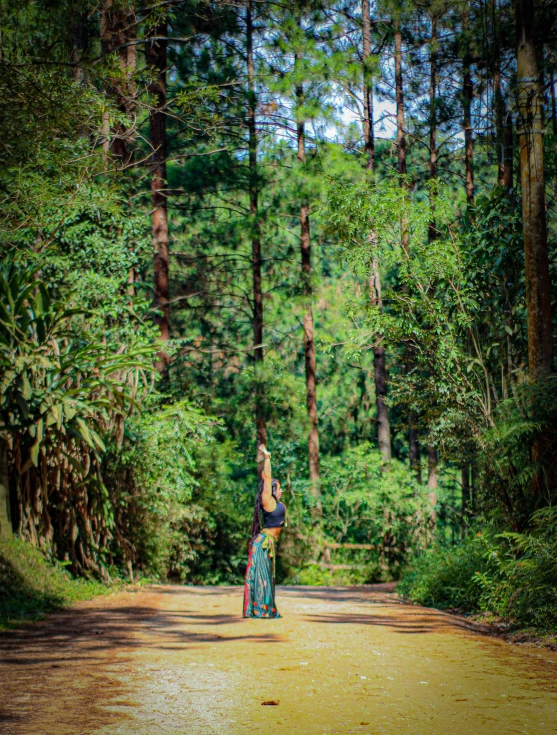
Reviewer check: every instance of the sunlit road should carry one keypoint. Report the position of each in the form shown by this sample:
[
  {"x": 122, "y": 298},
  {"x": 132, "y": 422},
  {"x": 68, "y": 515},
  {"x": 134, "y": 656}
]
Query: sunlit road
[{"x": 181, "y": 661}]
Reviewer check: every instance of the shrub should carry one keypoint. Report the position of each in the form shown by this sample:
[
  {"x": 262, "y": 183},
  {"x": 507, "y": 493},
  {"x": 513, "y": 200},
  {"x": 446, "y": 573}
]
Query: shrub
[{"x": 512, "y": 575}]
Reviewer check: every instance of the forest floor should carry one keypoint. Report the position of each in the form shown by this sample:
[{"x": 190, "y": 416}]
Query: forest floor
[{"x": 182, "y": 661}]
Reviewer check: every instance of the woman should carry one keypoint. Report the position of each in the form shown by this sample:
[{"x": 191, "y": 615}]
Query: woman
[{"x": 259, "y": 589}]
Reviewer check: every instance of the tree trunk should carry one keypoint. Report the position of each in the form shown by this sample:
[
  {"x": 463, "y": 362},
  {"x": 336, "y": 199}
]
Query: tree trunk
[
  {"x": 432, "y": 482},
  {"x": 532, "y": 180},
  {"x": 309, "y": 337},
  {"x": 553, "y": 105},
  {"x": 467, "y": 97},
  {"x": 5, "y": 516},
  {"x": 498, "y": 100},
  {"x": 255, "y": 234},
  {"x": 414, "y": 449},
  {"x": 156, "y": 53},
  {"x": 413, "y": 445},
  {"x": 118, "y": 31},
  {"x": 466, "y": 498},
  {"x": 80, "y": 45},
  {"x": 432, "y": 229},
  {"x": 380, "y": 368},
  {"x": 508, "y": 151},
  {"x": 399, "y": 93},
  {"x": 380, "y": 373},
  {"x": 369, "y": 138}
]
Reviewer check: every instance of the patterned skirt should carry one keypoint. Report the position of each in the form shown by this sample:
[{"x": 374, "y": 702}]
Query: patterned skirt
[{"x": 259, "y": 589}]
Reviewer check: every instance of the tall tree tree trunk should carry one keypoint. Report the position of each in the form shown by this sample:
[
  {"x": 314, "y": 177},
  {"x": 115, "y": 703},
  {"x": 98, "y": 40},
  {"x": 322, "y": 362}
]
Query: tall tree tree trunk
[
  {"x": 432, "y": 481},
  {"x": 432, "y": 229},
  {"x": 413, "y": 444},
  {"x": 255, "y": 234},
  {"x": 466, "y": 497},
  {"x": 399, "y": 96},
  {"x": 553, "y": 105},
  {"x": 369, "y": 138},
  {"x": 380, "y": 368},
  {"x": 532, "y": 180},
  {"x": 309, "y": 337},
  {"x": 156, "y": 57},
  {"x": 499, "y": 102},
  {"x": 467, "y": 97},
  {"x": 80, "y": 45},
  {"x": 5, "y": 515},
  {"x": 118, "y": 31},
  {"x": 508, "y": 154}
]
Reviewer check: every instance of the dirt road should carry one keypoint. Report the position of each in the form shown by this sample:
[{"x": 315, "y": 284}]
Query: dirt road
[{"x": 182, "y": 661}]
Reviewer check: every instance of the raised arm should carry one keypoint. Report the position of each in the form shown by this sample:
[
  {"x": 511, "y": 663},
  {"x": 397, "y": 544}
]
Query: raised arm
[{"x": 267, "y": 500}]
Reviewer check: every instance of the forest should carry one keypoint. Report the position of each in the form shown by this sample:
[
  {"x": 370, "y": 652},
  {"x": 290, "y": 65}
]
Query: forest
[{"x": 329, "y": 227}]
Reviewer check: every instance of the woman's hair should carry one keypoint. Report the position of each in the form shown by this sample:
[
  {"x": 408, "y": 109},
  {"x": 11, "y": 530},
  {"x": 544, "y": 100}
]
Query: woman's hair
[{"x": 256, "y": 525}]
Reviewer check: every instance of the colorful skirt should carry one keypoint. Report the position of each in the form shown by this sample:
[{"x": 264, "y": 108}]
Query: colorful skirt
[{"x": 259, "y": 589}]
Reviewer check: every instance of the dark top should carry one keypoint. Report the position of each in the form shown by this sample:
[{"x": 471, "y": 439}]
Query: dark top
[{"x": 274, "y": 518}]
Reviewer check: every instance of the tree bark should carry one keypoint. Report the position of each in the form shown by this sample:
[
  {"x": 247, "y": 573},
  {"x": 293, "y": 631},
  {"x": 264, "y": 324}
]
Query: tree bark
[
  {"x": 256, "y": 260},
  {"x": 467, "y": 97},
  {"x": 156, "y": 57},
  {"x": 380, "y": 373},
  {"x": 432, "y": 482},
  {"x": 369, "y": 138},
  {"x": 80, "y": 45},
  {"x": 118, "y": 31},
  {"x": 414, "y": 449},
  {"x": 432, "y": 229},
  {"x": 532, "y": 180},
  {"x": 466, "y": 498},
  {"x": 380, "y": 368},
  {"x": 508, "y": 151},
  {"x": 498, "y": 98},
  {"x": 5, "y": 516},
  {"x": 399, "y": 95},
  {"x": 553, "y": 105},
  {"x": 309, "y": 336},
  {"x": 413, "y": 444}
]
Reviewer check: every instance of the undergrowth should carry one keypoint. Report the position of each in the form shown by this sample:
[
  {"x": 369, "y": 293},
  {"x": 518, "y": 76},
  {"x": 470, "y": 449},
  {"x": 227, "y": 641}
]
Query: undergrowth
[
  {"x": 31, "y": 586},
  {"x": 512, "y": 575}
]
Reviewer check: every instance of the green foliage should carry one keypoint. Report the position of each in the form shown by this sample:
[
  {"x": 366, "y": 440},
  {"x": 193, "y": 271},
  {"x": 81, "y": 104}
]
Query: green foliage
[
  {"x": 31, "y": 586},
  {"x": 512, "y": 575},
  {"x": 366, "y": 502},
  {"x": 513, "y": 485},
  {"x": 155, "y": 470}
]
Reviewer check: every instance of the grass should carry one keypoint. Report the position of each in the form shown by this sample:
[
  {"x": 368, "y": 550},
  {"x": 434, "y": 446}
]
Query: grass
[{"x": 31, "y": 586}]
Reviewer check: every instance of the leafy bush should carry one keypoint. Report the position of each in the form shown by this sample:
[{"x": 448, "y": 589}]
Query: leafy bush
[
  {"x": 513, "y": 575},
  {"x": 151, "y": 477},
  {"x": 364, "y": 503},
  {"x": 61, "y": 393}
]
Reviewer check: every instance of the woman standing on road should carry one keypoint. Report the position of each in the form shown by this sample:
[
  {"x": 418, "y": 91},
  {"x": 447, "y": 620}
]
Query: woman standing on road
[{"x": 259, "y": 589}]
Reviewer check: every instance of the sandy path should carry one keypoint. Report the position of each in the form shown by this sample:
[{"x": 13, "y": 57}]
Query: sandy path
[{"x": 181, "y": 661}]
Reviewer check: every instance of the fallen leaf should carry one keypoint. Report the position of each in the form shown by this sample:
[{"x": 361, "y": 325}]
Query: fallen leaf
[{"x": 271, "y": 702}]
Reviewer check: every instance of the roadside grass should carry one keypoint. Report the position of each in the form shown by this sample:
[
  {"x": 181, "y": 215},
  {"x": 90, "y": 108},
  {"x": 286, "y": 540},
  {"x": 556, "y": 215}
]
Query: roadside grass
[{"x": 31, "y": 586}]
